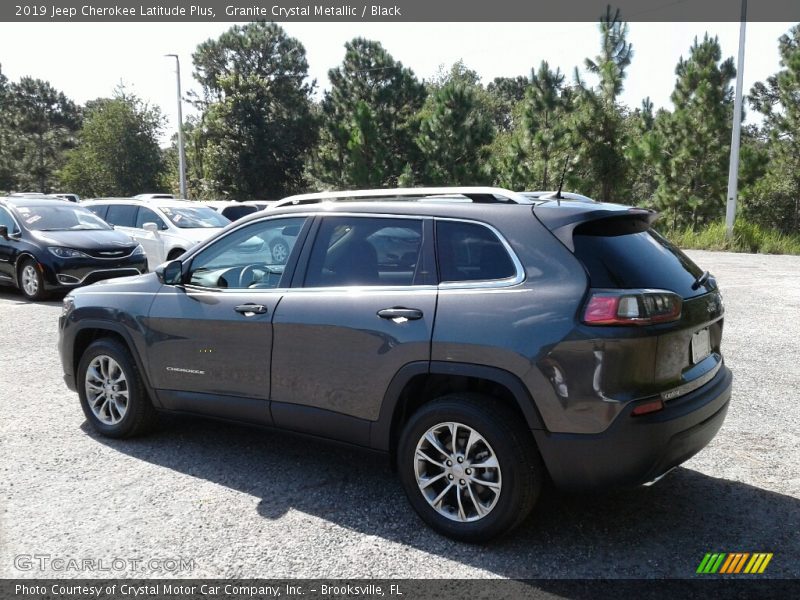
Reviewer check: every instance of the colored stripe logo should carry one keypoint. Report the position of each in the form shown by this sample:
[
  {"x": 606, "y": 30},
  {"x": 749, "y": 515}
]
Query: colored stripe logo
[{"x": 729, "y": 563}]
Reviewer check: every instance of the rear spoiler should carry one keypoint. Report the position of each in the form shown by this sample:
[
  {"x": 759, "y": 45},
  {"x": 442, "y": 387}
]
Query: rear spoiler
[{"x": 602, "y": 219}]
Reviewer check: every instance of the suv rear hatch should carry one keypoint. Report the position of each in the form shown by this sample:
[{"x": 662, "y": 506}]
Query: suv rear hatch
[{"x": 647, "y": 301}]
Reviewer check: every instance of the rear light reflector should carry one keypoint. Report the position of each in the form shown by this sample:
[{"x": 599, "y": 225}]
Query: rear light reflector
[
  {"x": 647, "y": 408},
  {"x": 632, "y": 307}
]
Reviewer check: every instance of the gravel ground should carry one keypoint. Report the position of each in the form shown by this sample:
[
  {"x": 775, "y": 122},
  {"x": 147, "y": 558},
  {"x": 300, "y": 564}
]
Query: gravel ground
[{"x": 244, "y": 503}]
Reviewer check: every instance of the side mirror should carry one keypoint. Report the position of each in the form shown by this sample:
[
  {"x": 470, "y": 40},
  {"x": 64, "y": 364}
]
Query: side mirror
[
  {"x": 3, "y": 232},
  {"x": 170, "y": 273},
  {"x": 150, "y": 227}
]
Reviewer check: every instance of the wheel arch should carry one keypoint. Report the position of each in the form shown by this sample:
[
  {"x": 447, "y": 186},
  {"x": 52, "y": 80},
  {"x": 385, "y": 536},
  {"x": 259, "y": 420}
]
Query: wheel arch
[
  {"x": 90, "y": 331},
  {"x": 420, "y": 382}
]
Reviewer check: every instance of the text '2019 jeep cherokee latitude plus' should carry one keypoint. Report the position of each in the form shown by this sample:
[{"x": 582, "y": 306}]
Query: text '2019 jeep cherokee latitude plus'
[{"x": 485, "y": 340}]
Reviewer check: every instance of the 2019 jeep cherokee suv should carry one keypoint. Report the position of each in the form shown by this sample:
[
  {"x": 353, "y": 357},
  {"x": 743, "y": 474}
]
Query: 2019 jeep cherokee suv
[{"x": 485, "y": 345}]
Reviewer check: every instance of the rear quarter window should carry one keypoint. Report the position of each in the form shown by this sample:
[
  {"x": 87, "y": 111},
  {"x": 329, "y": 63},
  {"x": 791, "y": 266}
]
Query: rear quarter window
[{"x": 471, "y": 252}]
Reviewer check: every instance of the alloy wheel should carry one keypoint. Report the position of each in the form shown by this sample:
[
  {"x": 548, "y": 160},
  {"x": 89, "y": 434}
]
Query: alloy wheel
[{"x": 457, "y": 472}]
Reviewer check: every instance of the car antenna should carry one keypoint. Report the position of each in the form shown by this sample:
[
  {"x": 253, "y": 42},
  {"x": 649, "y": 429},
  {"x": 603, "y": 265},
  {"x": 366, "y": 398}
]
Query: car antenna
[{"x": 559, "y": 197}]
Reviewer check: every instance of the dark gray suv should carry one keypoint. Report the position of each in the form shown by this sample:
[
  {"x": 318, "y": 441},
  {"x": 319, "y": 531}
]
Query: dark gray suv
[{"x": 486, "y": 341}]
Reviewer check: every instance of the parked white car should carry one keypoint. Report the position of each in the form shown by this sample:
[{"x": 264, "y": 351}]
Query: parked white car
[{"x": 165, "y": 228}]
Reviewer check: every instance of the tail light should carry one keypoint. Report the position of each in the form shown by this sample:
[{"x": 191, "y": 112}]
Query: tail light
[{"x": 632, "y": 307}]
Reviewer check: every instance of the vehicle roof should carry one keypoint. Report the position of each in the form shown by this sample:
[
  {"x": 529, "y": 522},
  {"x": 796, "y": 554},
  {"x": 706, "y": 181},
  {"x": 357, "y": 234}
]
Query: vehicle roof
[
  {"x": 18, "y": 201},
  {"x": 157, "y": 202}
]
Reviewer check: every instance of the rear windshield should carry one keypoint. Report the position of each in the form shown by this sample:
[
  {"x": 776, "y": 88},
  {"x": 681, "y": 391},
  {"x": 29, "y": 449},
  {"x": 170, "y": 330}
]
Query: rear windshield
[{"x": 636, "y": 260}]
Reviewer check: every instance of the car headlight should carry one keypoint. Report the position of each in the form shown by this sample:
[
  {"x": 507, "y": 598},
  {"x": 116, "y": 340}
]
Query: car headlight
[
  {"x": 138, "y": 250},
  {"x": 67, "y": 252},
  {"x": 67, "y": 305}
]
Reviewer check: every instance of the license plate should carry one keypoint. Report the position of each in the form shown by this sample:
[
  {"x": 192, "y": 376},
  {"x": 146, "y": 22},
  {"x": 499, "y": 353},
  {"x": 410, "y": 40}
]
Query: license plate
[{"x": 701, "y": 346}]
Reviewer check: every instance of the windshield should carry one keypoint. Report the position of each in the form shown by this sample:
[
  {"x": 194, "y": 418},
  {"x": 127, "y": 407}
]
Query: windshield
[
  {"x": 193, "y": 218},
  {"x": 60, "y": 218}
]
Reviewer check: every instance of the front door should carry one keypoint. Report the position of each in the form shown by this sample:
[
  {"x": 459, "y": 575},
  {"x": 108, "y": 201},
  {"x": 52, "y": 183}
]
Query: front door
[{"x": 211, "y": 338}]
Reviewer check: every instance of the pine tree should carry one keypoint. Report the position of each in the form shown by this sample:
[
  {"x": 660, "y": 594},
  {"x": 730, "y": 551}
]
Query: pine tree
[
  {"x": 598, "y": 124},
  {"x": 690, "y": 146},
  {"x": 368, "y": 119},
  {"x": 454, "y": 137},
  {"x": 774, "y": 199}
]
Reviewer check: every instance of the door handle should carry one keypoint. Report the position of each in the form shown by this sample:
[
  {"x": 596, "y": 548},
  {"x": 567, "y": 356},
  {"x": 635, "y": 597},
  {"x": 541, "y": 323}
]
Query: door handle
[
  {"x": 400, "y": 315},
  {"x": 249, "y": 310}
]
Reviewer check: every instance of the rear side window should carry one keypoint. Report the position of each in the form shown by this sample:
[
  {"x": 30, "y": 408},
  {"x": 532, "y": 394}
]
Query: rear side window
[
  {"x": 635, "y": 260},
  {"x": 100, "y": 210},
  {"x": 471, "y": 252},
  {"x": 123, "y": 215},
  {"x": 366, "y": 251}
]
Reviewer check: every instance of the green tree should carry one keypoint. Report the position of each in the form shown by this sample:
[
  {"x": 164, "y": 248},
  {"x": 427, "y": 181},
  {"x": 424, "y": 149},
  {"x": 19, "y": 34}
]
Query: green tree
[
  {"x": 368, "y": 119},
  {"x": 598, "y": 125},
  {"x": 117, "y": 152},
  {"x": 773, "y": 199},
  {"x": 6, "y": 160},
  {"x": 506, "y": 93},
  {"x": 257, "y": 126},
  {"x": 454, "y": 137},
  {"x": 690, "y": 146},
  {"x": 44, "y": 122}
]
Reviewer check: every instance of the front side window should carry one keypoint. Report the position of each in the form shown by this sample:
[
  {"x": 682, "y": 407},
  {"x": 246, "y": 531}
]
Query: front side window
[
  {"x": 366, "y": 251},
  {"x": 145, "y": 215},
  {"x": 7, "y": 221},
  {"x": 249, "y": 258},
  {"x": 471, "y": 252}
]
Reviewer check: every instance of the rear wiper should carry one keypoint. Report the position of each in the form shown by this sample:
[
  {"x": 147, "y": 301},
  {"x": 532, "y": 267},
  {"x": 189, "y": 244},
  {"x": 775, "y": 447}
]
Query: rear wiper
[{"x": 701, "y": 279}]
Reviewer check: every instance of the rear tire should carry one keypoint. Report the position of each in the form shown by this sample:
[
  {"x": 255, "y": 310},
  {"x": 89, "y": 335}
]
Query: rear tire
[
  {"x": 175, "y": 253},
  {"x": 445, "y": 486},
  {"x": 111, "y": 392}
]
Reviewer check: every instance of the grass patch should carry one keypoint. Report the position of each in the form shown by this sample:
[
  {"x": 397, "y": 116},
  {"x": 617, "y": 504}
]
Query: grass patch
[{"x": 747, "y": 237}]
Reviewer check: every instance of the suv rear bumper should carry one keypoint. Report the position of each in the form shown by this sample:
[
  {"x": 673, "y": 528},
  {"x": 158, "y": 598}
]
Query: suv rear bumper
[{"x": 635, "y": 450}]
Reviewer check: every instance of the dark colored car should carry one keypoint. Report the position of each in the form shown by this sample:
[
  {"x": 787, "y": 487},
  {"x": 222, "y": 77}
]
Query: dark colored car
[
  {"x": 486, "y": 346},
  {"x": 48, "y": 245}
]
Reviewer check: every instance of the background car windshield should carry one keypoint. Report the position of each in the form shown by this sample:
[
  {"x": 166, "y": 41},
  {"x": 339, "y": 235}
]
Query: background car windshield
[
  {"x": 194, "y": 218},
  {"x": 59, "y": 218}
]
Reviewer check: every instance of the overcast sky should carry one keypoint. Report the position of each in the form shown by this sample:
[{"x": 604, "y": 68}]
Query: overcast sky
[{"x": 87, "y": 60}]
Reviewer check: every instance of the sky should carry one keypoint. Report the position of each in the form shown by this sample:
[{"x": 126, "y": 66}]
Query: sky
[{"x": 88, "y": 60}]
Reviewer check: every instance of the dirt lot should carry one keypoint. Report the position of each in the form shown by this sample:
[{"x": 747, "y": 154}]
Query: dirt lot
[{"x": 238, "y": 502}]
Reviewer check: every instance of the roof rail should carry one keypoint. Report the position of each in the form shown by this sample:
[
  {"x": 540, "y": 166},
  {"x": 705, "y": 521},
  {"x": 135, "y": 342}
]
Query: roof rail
[{"x": 477, "y": 195}]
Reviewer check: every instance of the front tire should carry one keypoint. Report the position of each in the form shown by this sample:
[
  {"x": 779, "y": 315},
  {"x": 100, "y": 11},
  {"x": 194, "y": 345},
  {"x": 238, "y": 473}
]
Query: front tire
[
  {"x": 111, "y": 392},
  {"x": 469, "y": 467},
  {"x": 30, "y": 280}
]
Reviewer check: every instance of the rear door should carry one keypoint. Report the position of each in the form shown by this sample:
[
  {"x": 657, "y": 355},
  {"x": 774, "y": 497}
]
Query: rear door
[{"x": 364, "y": 308}]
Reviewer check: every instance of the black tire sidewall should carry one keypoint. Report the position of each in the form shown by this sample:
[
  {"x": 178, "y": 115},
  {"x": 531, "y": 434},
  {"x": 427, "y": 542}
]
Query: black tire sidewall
[
  {"x": 506, "y": 513},
  {"x": 136, "y": 396}
]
